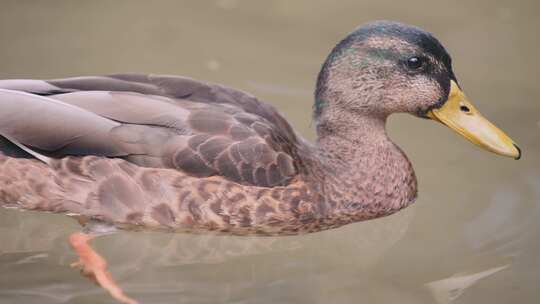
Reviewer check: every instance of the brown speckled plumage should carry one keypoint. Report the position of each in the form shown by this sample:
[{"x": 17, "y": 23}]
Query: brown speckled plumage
[{"x": 173, "y": 153}]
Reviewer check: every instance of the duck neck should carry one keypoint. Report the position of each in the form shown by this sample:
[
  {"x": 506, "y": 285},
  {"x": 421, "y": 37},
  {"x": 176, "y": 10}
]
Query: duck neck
[
  {"x": 352, "y": 134},
  {"x": 372, "y": 177}
]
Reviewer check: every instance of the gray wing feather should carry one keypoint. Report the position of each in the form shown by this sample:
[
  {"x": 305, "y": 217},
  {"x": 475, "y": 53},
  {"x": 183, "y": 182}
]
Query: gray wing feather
[
  {"x": 51, "y": 125},
  {"x": 157, "y": 121},
  {"x": 133, "y": 108}
]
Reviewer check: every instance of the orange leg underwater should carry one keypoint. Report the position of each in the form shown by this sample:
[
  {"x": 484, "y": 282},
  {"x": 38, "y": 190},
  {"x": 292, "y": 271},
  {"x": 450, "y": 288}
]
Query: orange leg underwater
[{"x": 94, "y": 266}]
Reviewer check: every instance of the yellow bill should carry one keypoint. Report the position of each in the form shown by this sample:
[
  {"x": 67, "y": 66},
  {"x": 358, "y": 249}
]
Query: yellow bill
[{"x": 461, "y": 116}]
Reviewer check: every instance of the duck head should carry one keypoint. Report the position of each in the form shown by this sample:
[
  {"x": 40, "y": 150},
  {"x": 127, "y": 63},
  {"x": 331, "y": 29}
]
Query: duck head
[{"x": 388, "y": 67}]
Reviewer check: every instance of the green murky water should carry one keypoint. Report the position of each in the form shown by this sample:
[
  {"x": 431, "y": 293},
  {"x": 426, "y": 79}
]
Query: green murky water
[{"x": 472, "y": 237}]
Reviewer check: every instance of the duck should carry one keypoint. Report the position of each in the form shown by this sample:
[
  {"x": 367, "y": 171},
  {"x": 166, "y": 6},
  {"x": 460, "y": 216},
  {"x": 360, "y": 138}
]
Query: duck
[{"x": 139, "y": 151}]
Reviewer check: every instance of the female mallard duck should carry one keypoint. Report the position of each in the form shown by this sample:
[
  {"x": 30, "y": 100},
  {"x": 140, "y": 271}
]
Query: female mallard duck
[{"x": 174, "y": 153}]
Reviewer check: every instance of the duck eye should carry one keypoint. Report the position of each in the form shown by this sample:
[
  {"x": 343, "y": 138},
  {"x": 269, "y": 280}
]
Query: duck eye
[{"x": 415, "y": 63}]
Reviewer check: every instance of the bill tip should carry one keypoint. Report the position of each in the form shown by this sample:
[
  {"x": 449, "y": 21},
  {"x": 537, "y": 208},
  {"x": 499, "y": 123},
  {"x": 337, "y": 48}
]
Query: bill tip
[{"x": 519, "y": 152}]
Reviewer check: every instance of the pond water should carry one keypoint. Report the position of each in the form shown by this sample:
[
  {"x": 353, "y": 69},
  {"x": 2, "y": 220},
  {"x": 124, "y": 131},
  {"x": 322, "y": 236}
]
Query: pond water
[{"x": 473, "y": 236}]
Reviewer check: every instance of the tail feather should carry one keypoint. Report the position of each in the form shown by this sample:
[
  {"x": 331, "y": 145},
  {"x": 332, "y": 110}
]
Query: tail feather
[
  {"x": 29, "y": 151},
  {"x": 8, "y": 148}
]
